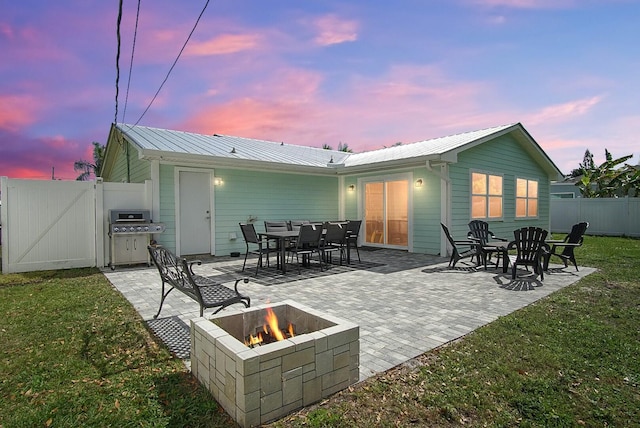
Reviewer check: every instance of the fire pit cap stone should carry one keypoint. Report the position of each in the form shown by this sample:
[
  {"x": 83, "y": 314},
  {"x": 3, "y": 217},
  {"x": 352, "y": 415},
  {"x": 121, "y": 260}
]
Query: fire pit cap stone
[{"x": 231, "y": 344}]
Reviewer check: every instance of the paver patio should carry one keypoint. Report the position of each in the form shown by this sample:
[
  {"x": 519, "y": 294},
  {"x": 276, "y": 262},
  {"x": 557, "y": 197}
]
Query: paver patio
[{"x": 405, "y": 304}]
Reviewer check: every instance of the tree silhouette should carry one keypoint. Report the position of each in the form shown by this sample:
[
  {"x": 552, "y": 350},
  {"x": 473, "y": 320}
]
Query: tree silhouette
[
  {"x": 89, "y": 168},
  {"x": 586, "y": 165},
  {"x": 342, "y": 147}
]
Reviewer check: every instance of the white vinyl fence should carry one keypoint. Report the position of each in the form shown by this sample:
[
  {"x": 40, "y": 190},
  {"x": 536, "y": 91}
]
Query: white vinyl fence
[
  {"x": 49, "y": 224},
  {"x": 606, "y": 216}
]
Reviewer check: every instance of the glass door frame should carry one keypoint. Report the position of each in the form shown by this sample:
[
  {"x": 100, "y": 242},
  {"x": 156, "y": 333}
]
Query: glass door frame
[{"x": 362, "y": 182}]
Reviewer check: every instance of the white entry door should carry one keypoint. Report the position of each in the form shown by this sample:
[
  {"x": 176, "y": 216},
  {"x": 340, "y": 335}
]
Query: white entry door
[{"x": 195, "y": 212}]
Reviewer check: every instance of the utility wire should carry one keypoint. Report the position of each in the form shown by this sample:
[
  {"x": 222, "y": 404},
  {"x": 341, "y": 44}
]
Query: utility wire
[
  {"x": 174, "y": 63},
  {"x": 115, "y": 120},
  {"x": 133, "y": 50}
]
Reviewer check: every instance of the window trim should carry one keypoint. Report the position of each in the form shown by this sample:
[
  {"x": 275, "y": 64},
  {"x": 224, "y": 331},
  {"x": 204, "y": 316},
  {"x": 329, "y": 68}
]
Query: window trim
[
  {"x": 486, "y": 195},
  {"x": 526, "y": 199}
]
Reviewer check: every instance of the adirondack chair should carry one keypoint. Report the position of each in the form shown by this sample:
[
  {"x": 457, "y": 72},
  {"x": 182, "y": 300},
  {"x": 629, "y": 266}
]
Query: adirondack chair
[
  {"x": 480, "y": 233},
  {"x": 568, "y": 244},
  {"x": 457, "y": 254},
  {"x": 531, "y": 249}
]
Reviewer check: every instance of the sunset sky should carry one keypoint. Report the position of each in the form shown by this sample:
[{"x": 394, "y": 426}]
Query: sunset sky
[{"x": 364, "y": 73}]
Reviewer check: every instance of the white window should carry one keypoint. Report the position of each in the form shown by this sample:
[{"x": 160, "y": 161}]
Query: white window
[
  {"x": 526, "y": 198},
  {"x": 486, "y": 196}
]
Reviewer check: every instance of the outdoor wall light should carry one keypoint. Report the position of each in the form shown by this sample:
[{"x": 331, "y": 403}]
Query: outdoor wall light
[
  {"x": 351, "y": 188},
  {"x": 217, "y": 181},
  {"x": 419, "y": 182}
]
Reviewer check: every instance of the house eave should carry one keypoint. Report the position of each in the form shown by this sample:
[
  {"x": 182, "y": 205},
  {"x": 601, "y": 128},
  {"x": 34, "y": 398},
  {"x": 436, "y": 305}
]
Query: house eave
[{"x": 226, "y": 162}]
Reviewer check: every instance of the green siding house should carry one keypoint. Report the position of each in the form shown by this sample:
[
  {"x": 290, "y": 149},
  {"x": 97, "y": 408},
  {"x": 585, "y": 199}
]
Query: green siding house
[{"x": 204, "y": 185}]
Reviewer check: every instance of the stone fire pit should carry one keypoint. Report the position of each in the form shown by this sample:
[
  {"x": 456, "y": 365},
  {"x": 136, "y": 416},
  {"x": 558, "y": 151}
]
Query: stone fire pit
[{"x": 258, "y": 385}]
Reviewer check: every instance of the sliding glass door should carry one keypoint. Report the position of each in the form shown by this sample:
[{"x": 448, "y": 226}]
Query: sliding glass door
[{"x": 387, "y": 212}]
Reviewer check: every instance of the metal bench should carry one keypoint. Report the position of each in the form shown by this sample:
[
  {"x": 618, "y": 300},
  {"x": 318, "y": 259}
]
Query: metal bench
[{"x": 178, "y": 273}]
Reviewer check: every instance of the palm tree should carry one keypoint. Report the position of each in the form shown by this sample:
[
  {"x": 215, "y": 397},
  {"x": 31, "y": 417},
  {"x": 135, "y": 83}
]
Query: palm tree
[
  {"x": 342, "y": 147},
  {"x": 89, "y": 168}
]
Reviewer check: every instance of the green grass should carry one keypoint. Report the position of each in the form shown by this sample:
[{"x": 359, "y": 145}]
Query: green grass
[{"x": 75, "y": 353}]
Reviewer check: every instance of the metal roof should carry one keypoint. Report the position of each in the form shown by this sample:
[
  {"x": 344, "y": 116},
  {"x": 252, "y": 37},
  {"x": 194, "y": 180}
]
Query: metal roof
[
  {"x": 425, "y": 148},
  {"x": 156, "y": 143},
  {"x": 168, "y": 142}
]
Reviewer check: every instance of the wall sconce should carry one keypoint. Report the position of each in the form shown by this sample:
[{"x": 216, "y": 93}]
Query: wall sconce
[
  {"x": 419, "y": 182},
  {"x": 351, "y": 187},
  {"x": 217, "y": 181}
]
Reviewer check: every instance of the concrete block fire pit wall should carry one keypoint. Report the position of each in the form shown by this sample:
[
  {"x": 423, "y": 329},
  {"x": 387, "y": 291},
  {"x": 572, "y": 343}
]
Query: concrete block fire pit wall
[{"x": 261, "y": 384}]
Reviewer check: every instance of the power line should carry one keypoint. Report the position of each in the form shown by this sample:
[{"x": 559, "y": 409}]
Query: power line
[
  {"x": 133, "y": 49},
  {"x": 174, "y": 62},
  {"x": 115, "y": 120}
]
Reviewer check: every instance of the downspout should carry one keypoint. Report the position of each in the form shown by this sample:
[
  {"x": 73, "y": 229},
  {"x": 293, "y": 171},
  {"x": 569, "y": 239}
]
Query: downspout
[{"x": 445, "y": 199}]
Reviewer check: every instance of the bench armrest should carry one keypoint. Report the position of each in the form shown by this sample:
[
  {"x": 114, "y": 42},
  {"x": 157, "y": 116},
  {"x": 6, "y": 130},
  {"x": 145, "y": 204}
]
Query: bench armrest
[
  {"x": 235, "y": 286},
  {"x": 194, "y": 262}
]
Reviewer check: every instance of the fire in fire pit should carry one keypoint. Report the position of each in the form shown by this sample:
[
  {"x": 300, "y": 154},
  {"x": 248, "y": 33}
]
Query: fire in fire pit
[
  {"x": 257, "y": 383},
  {"x": 271, "y": 331}
]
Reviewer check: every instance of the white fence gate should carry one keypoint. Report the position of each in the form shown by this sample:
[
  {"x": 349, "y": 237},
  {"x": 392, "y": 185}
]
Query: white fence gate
[
  {"x": 61, "y": 224},
  {"x": 606, "y": 216}
]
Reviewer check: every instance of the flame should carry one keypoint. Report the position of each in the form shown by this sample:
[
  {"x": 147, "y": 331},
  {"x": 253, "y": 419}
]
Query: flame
[
  {"x": 254, "y": 340},
  {"x": 272, "y": 320},
  {"x": 270, "y": 331}
]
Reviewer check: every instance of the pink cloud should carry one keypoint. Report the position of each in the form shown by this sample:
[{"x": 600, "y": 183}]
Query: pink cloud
[
  {"x": 276, "y": 104},
  {"x": 16, "y": 111},
  {"x": 333, "y": 30},
  {"x": 37, "y": 158},
  {"x": 565, "y": 111},
  {"x": 225, "y": 44},
  {"x": 407, "y": 104},
  {"x": 249, "y": 117}
]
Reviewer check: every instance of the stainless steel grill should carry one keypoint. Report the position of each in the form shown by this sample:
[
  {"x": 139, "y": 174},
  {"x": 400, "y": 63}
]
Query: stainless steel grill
[
  {"x": 130, "y": 232},
  {"x": 133, "y": 221}
]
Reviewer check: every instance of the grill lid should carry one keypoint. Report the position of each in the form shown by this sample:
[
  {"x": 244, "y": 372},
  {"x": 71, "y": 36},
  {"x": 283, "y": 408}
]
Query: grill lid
[{"x": 129, "y": 216}]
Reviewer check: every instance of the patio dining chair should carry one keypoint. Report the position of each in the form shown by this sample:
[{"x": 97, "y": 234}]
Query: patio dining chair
[
  {"x": 251, "y": 237},
  {"x": 457, "y": 254},
  {"x": 295, "y": 224},
  {"x": 529, "y": 242},
  {"x": 353, "y": 231},
  {"x": 568, "y": 244},
  {"x": 480, "y": 233},
  {"x": 335, "y": 239},
  {"x": 308, "y": 243},
  {"x": 277, "y": 226}
]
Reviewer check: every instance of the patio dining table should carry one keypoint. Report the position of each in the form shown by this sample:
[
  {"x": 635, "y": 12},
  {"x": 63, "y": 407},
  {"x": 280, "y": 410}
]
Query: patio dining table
[{"x": 283, "y": 237}]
